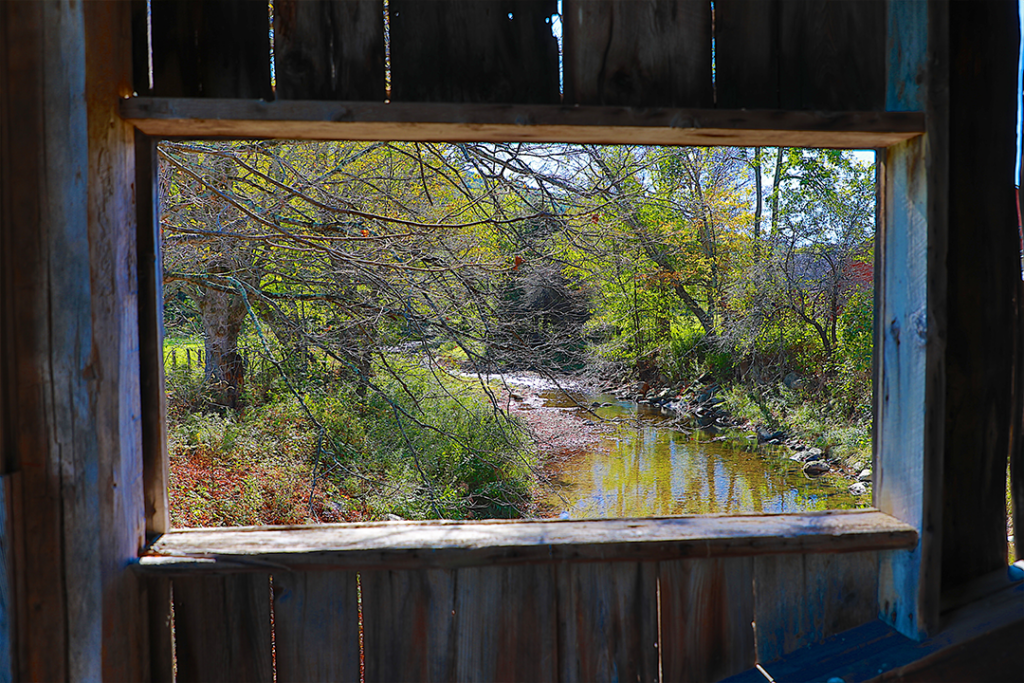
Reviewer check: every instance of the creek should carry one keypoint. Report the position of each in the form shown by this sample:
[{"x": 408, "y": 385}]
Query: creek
[{"x": 642, "y": 464}]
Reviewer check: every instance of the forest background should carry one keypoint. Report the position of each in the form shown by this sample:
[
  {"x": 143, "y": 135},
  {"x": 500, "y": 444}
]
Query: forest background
[{"x": 352, "y": 303}]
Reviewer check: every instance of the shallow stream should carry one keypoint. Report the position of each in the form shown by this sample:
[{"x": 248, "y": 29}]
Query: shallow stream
[{"x": 644, "y": 467}]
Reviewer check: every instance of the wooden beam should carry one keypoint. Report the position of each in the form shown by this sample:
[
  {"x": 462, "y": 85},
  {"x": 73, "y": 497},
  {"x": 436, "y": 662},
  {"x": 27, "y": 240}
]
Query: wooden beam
[
  {"x": 52, "y": 371},
  {"x": 408, "y": 545},
  {"x": 308, "y": 120},
  {"x": 982, "y": 285},
  {"x": 910, "y": 330},
  {"x": 153, "y": 398}
]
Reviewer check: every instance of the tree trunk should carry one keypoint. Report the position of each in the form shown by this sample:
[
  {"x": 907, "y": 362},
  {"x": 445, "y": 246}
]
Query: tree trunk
[{"x": 223, "y": 314}]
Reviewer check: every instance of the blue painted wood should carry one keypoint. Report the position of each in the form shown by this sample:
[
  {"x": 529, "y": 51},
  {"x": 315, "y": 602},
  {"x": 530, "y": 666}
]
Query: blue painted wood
[
  {"x": 907, "y": 398},
  {"x": 906, "y": 55}
]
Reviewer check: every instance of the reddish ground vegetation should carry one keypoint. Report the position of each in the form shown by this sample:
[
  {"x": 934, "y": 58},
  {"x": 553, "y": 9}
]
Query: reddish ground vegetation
[{"x": 208, "y": 491}]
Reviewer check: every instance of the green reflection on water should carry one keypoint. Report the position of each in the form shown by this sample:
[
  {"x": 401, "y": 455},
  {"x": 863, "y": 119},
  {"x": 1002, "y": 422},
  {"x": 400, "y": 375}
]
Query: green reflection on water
[{"x": 643, "y": 470}]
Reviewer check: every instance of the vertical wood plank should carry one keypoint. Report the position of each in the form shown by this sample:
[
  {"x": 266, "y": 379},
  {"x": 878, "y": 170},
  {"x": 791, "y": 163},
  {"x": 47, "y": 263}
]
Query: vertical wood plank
[
  {"x": 784, "y": 608},
  {"x": 214, "y": 48},
  {"x": 140, "y": 47},
  {"x": 408, "y": 625},
  {"x": 222, "y": 628},
  {"x": 982, "y": 284},
  {"x": 7, "y": 606},
  {"x": 48, "y": 320},
  {"x": 832, "y": 55},
  {"x": 639, "y": 53},
  {"x": 707, "y": 610},
  {"x": 316, "y": 626},
  {"x": 115, "y": 335},
  {"x": 608, "y": 621},
  {"x": 153, "y": 397},
  {"x": 329, "y": 50},
  {"x": 799, "y": 600},
  {"x": 906, "y": 65},
  {"x": 910, "y": 389},
  {"x": 747, "y": 54},
  {"x": 506, "y": 625},
  {"x": 469, "y": 51},
  {"x": 161, "y": 645}
]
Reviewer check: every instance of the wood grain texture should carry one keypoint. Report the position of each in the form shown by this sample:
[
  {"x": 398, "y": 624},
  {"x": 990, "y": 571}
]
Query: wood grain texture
[
  {"x": 44, "y": 199},
  {"x": 639, "y": 53},
  {"x": 910, "y": 395},
  {"x": 747, "y": 54},
  {"x": 329, "y": 50},
  {"x": 222, "y": 628},
  {"x": 115, "y": 334},
  {"x": 469, "y": 51},
  {"x": 161, "y": 646},
  {"x": 316, "y": 626},
  {"x": 982, "y": 283},
  {"x": 608, "y": 619},
  {"x": 152, "y": 394},
  {"x": 463, "y": 544},
  {"x": 800, "y": 600},
  {"x": 178, "y": 117},
  {"x": 409, "y": 625},
  {"x": 832, "y": 55},
  {"x": 506, "y": 624},
  {"x": 214, "y": 48},
  {"x": 906, "y": 66},
  {"x": 707, "y": 610}
]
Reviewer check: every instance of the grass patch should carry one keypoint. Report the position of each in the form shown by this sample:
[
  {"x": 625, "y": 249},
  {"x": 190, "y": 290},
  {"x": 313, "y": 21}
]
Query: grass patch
[{"x": 424, "y": 445}]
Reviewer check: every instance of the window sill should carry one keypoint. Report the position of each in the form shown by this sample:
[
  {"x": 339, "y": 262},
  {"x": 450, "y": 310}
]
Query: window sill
[{"x": 435, "y": 544}]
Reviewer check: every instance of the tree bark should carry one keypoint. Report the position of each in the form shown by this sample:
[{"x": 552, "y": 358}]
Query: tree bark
[{"x": 223, "y": 313}]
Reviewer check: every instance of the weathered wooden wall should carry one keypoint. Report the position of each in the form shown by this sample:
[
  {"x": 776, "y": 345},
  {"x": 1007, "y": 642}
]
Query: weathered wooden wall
[
  {"x": 767, "y": 54},
  {"x": 687, "y": 619},
  {"x": 72, "y": 383},
  {"x": 983, "y": 281}
]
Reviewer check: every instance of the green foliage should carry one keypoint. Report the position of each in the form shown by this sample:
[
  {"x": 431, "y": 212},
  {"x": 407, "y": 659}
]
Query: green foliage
[{"x": 424, "y": 445}]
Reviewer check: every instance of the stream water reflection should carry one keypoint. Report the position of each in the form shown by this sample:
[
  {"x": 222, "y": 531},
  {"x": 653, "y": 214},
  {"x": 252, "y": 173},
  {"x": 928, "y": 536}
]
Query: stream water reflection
[{"x": 644, "y": 468}]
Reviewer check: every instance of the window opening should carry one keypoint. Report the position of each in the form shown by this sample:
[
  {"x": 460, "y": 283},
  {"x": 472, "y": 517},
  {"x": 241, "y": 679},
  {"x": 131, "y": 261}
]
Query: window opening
[{"x": 382, "y": 330}]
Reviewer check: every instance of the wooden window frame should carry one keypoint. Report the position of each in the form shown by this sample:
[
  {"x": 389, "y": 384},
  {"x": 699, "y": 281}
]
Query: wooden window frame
[{"x": 904, "y": 482}]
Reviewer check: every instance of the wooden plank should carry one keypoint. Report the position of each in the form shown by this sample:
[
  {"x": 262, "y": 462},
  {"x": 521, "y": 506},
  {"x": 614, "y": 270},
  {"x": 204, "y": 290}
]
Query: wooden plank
[
  {"x": 802, "y": 599},
  {"x": 849, "y": 589},
  {"x": 222, "y": 628},
  {"x": 463, "y": 544},
  {"x": 982, "y": 282},
  {"x": 316, "y": 626},
  {"x": 747, "y": 54},
  {"x": 8, "y": 667},
  {"x": 140, "y": 47},
  {"x": 707, "y": 607},
  {"x": 53, "y": 444},
  {"x": 152, "y": 394},
  {"x": 911, "y": 397},
  {"x": 832, "y": 55},
  {"x": 413, "y": 611},
  {"x": 609, "y": 621},
  {"x": 639, "y": 53},
  {"x": 113, "y": 278},
  {"x": 329, "y": 50},
  {"x": 979, "y": 642},
  {"x": 161, "y": 645},
  {"x": 469, "y": 51},
  {"x": 505, "y": 623},
  {"x": 906, "y": 66},
  {"x": 176, "y": 117},
  {"x": 214, "y": 48}
]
